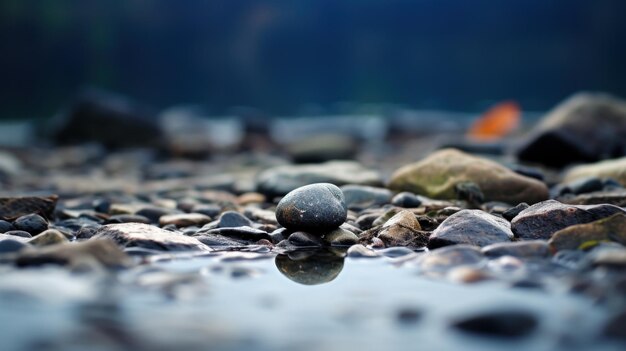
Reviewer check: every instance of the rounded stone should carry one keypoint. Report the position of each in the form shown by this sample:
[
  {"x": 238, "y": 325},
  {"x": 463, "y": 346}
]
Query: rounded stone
[
  {"x": 5, "y": 226},
  {"x": 32, "y": 223},
  {"x": 314, "y": 208}
]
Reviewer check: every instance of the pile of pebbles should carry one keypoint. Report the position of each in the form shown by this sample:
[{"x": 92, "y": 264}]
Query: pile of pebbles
[{"x": 452, "y": 215}]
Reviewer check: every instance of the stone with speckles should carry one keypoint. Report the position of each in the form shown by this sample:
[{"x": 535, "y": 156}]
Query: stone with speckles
[{"x": 314, "y": 208}]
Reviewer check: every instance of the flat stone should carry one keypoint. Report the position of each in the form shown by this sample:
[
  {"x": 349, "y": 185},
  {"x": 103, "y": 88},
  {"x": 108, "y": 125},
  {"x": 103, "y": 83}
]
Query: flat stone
[
  {"x": 20, "y": 233},
  {"x": 281, "y": 180},
  {"x": 502, "y": 324},
  {"x": 149, "y": 237},
  {"x": 614, "y": 197},
  {"x": 231, "y": 219},
  {"x": 127, "y": 218},
  {"x": 314, "y": 208},
  {"x": 615, "y": 169},
  {"x": 541, "y": 220},
  {"x": 184, "y": 219},
  {"x": 103, "y": 251},
  {"x": 472, "y": 227},
  {"x": 402, "y": 229},
  {"x": 243, "y": 233},
  {"x": 438, "y": 176},
  {"x": 519, "y": 249},
  {"x": 13, "y": 207},
  {"x": 584, "y": 236},
  {"x": 49, "y": 237}
]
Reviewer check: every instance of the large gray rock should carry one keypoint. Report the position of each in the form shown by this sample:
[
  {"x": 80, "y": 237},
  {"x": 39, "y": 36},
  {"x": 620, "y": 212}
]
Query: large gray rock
[
  {"x": 148, "y": 237},
  {"x": 542, "y": 220},
  {"x": 472, "y": 227},
  {"x": 584, "y": 128},
  {"x": 280, "y": 180}
]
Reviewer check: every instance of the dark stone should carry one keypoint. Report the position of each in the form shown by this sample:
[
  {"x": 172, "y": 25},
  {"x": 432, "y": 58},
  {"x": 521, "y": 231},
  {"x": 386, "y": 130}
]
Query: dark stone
[
  {"x": 520, "y": 249},
  {"x": 127, "y": 218},
  {"x": 279, "y": 235},
  {"x": 406, "y": 199},
  {"x": 470, "y": 192},
  {"x": 473, "y": 227},
  {"x": 530, "y": 172},
  {"x": 20, "y": 233},
  {"x": 108, "y": 119},
  {"x": 304, "y": 239},
  {"x": 584, "y": 128},
  {"x": 14, "y": 207},
  {"x": 244, "y": 233},
  {"x": 231, "y": 219},
  {"x": 514, "y": 211},
  {"x": 11, "y": 246},
  {"x": 87, "y": 232},
  {"x": 149, "y": 237},
  {"x": 314, "y": 208},
  {"x": 340, "y": 238},
  {"x": 504, "y": 324},
  {"x": 32, "y": 223},
  {"x": 542, "y": 220},
  {"x": 5, "y": 226},
  {"x": 220, "y": 240},
  {"x": 362, "y": 196}
]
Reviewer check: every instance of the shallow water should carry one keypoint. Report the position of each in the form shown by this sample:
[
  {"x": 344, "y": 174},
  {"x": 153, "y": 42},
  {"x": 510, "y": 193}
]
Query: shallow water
[{"x": 241, "y": 301}]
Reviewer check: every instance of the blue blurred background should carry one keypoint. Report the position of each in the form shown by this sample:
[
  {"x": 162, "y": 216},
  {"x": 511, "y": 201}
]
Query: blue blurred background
[{"x": 281, "y": 56}]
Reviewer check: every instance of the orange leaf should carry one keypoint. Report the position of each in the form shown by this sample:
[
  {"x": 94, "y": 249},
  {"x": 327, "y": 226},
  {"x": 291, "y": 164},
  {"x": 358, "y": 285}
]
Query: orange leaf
[{"x": 497, "y": 122}]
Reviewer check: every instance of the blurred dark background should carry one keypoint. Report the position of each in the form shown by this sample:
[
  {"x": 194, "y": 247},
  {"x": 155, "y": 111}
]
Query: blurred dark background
[{"x": 280, "y": 55}]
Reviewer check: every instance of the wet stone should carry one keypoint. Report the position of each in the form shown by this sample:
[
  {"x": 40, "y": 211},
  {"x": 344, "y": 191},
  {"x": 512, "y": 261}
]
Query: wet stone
[
  {"x": 304, "y": 239},
  {"x": 504, "y": 324},
  {"x": 49, "y": 237},
  {"x": 220, "y": 240},
  {"x": 184, "y": 219},
  {"x": 394, "y": 252},
  {"x": 542, "y": 220},
  {"x": 5, "y": 226},
  {"x": 520, "y": 249},
  {"x": 472, "y": 227},
  {"x": 243, "y": 233},
  {"x": 406, "y": 199},
  {"x": 340, "y": 237},
  {"x": 231, "y": 219},
  {"x": 585, "y": 236},
  {"x": 314, "y": 208},
  {"x": 514, "y": 211},
  {"x": 360, "y": 251},
  {"x": 147, "y": 236},
  {"x": 13, "y": 207},
  {"x": 32, "y": 223},
  {"x": 20, "y": 233},
  {"x": 402, "y": 229}
]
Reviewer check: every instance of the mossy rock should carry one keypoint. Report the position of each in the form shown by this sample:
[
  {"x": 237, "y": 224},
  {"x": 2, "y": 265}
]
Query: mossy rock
[
  {"x": 585, "y": 236},
  {"x": 438, "y": 175}
]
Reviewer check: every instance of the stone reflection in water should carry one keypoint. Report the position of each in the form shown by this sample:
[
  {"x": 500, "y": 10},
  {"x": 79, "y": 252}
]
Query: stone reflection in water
[{"x": 311, "y": 267}]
